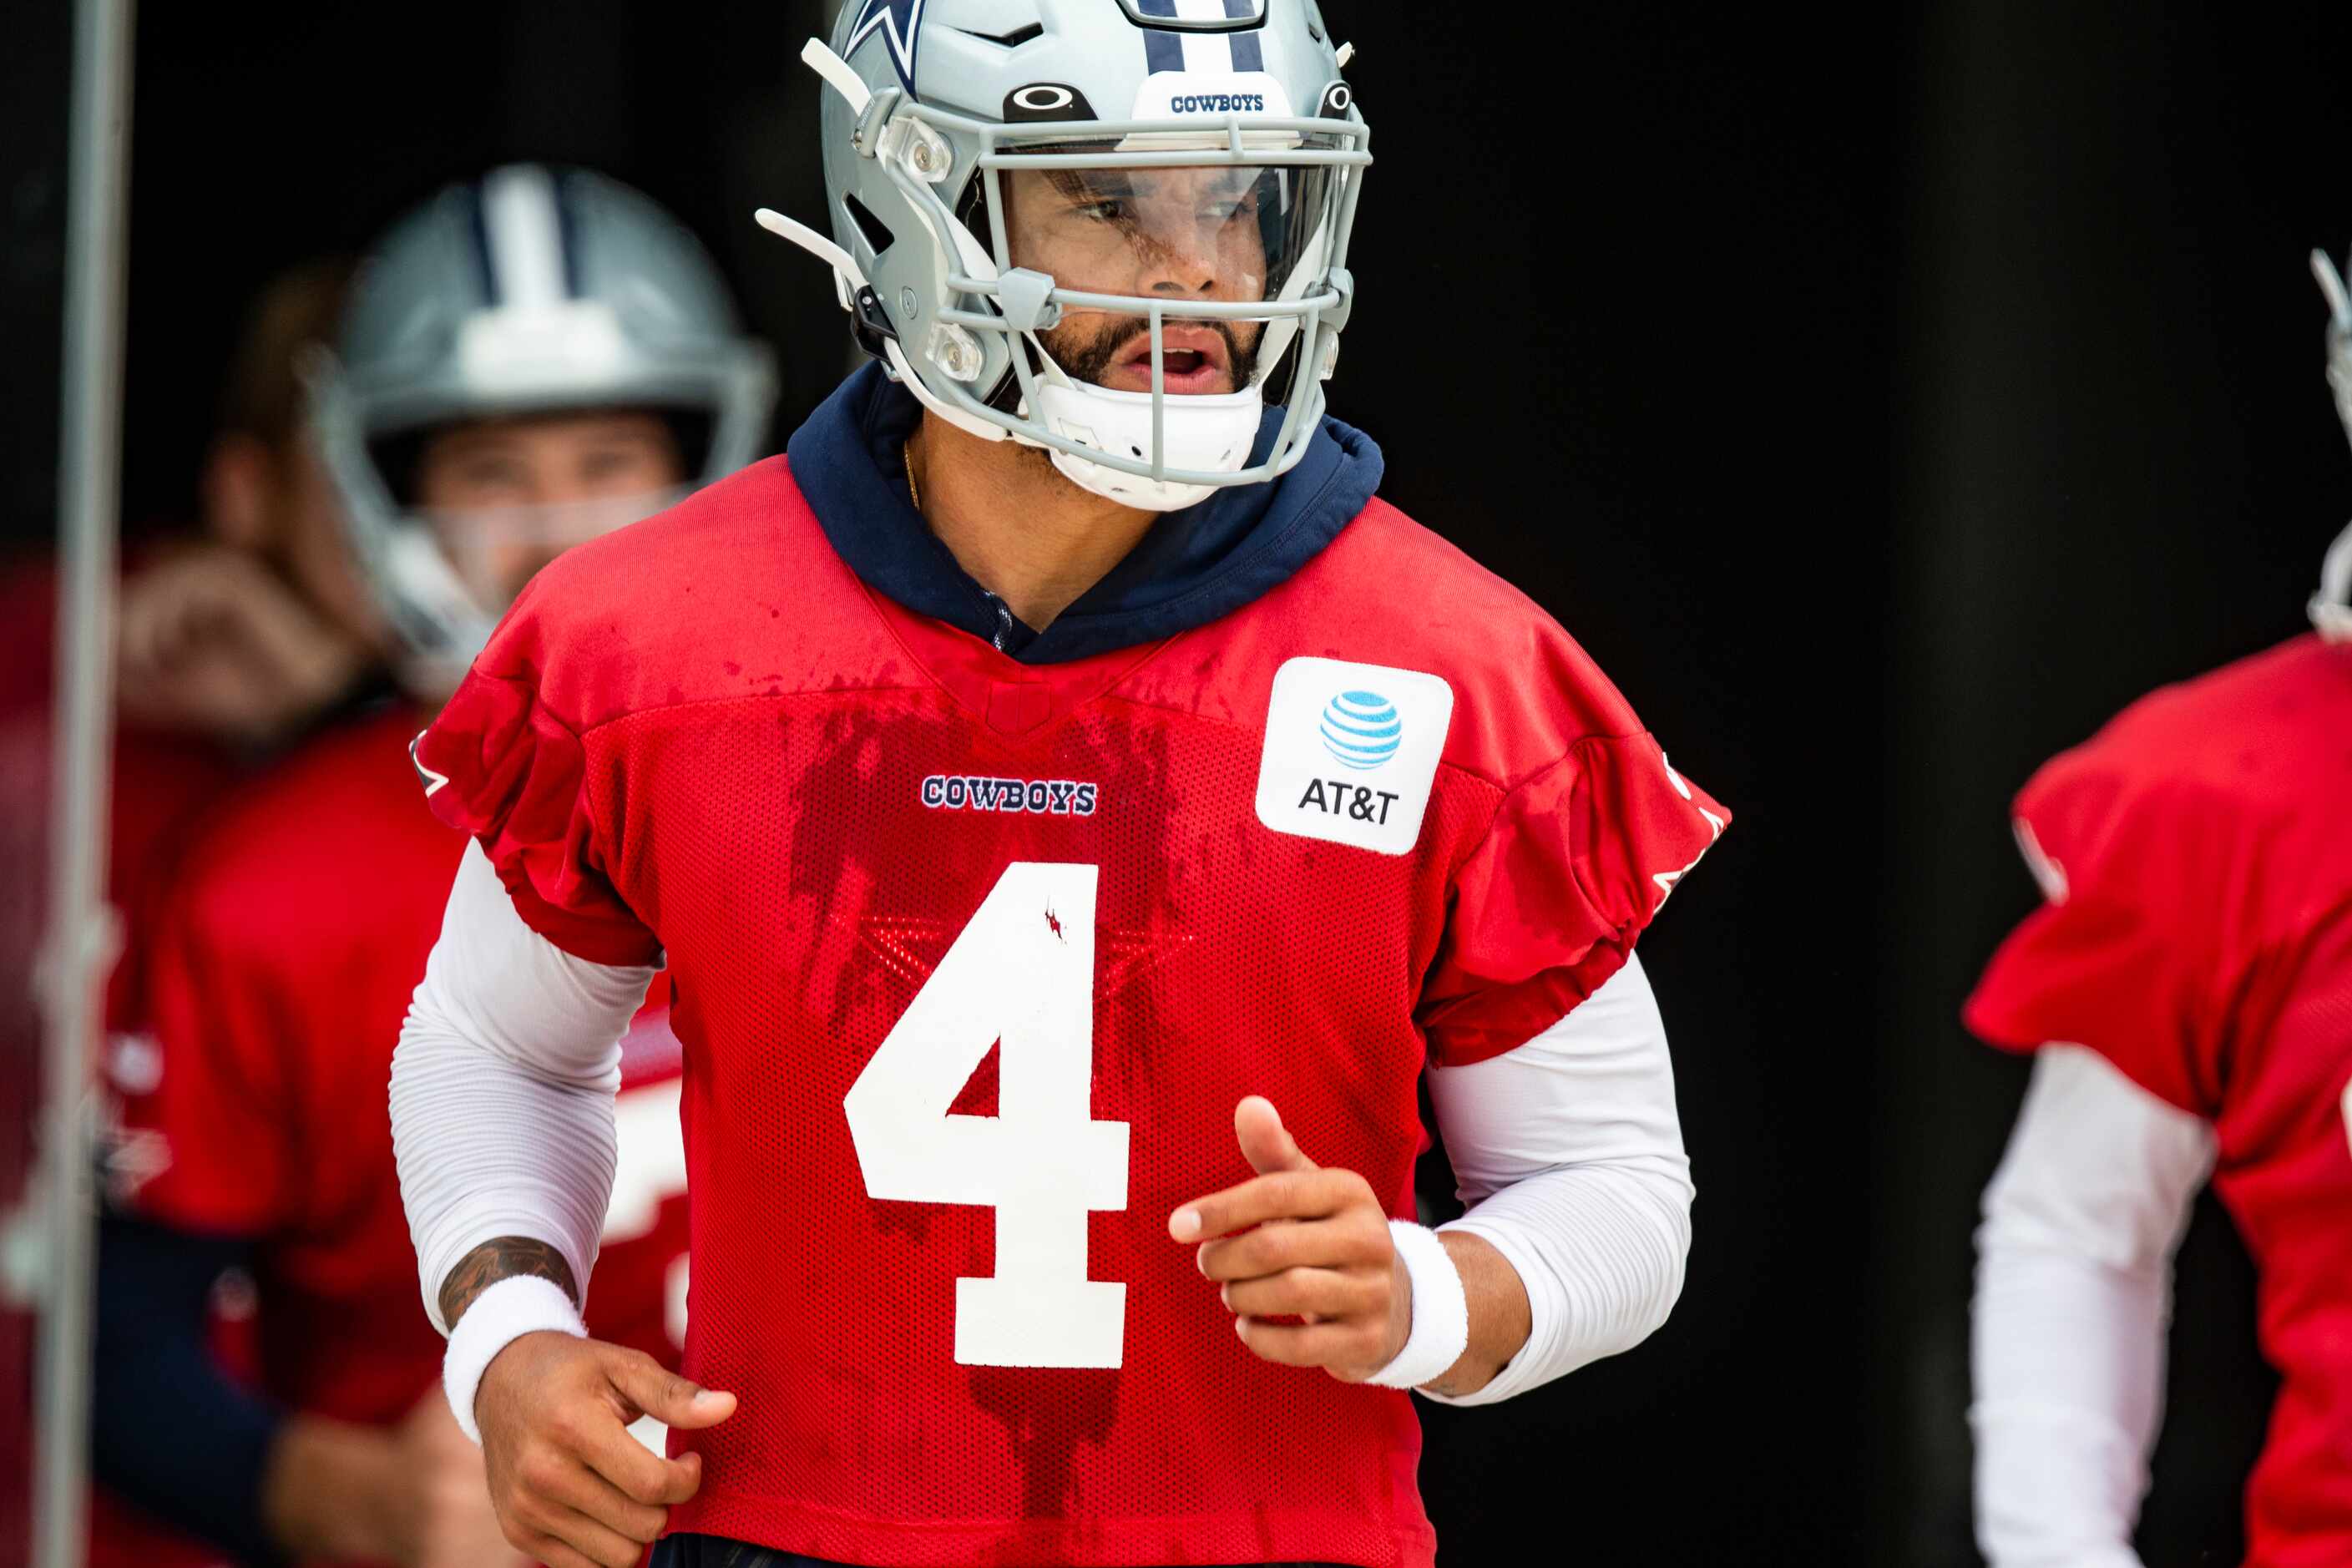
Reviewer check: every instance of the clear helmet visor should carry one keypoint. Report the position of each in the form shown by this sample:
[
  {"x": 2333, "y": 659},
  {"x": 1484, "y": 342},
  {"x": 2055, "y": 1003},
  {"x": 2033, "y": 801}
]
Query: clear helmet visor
[
  {"x": 450, "y": 523},
  {"x": 1204, "y": 243},
  {"x": 493, "y": 551}
]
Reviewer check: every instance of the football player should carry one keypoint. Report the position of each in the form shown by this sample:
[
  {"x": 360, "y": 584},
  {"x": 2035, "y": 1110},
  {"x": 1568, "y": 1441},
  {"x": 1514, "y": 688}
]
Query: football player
[
  {"x": 224, "y": 652},
  {"x": 2187, "y": 990},
  {"x": 251, "y": 631},
  {"x": 1077, "y": 810},
  {"x": 526, "y": 362}
]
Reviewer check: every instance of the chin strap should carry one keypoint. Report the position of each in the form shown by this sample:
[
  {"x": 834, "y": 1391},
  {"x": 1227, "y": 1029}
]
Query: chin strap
[
  {"x": 839, "y": 73},
  {"x": 2331, "y": 607},
  {"x": 2331, "y": 284}
]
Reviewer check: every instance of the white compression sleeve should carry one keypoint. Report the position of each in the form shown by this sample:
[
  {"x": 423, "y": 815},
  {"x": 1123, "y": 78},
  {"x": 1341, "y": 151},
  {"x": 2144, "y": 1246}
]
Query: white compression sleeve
[
  {"x": 1570, "y": 1155},
  {"x": 2074, "y": 1289},
  {"x": 502, "y": 1087}
]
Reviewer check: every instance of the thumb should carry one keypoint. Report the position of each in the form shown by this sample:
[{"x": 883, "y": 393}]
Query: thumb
[
  {"x": 1265, "y": 1142},
  {"x": 667, "y": 1397}
]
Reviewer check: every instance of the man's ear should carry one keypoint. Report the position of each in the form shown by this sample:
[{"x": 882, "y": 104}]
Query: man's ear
[{"x": 239, "y": 478}]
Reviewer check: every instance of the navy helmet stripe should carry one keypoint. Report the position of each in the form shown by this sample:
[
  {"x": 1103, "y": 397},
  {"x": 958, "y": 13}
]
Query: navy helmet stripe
[
  {"x": 478, "y": 223},
  {"x": 567, "y": 236},
  {"x": 1163, "y": 50},
  {"x": 1249, "y": 52},
  {"x": 1157, "y": 8}
]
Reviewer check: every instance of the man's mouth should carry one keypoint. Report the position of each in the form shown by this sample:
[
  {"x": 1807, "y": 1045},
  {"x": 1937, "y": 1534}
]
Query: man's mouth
[{"x": 1193, "y": 360}]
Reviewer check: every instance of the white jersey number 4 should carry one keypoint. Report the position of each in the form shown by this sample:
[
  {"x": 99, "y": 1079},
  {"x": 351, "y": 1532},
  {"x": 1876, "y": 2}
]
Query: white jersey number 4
[{"x": 1019, "y": 977}]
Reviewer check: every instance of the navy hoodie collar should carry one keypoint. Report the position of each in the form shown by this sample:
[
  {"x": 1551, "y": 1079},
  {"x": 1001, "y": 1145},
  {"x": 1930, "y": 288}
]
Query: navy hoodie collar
[{"x": 1192, "y": 566}]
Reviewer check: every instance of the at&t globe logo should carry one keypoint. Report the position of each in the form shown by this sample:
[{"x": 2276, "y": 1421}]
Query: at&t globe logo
[{"x": 1361, "y": 729}]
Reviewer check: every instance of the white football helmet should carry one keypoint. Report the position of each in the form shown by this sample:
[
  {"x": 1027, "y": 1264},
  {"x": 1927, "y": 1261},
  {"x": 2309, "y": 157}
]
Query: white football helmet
[
  {"x": 1186, "y": 172},
  {"x": 531, "y": 290}
]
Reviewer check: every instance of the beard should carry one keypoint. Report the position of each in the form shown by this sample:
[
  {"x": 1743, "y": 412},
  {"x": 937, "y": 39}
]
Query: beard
[{"x": 1087, "y": 357}]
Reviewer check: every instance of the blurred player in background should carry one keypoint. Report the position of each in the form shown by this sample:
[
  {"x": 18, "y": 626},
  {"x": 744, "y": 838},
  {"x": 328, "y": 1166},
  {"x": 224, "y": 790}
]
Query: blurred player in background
[
  {"x": 248, "y": 632},
  {"x": 1077, "y": 810},
  {"x": 233, "y": 638},
  {"x": 232, "y": 634},
  {"x": 525, "y": 362},
  {"x": 238, "y": 637},
  {"x": 2187, "y": 989}
]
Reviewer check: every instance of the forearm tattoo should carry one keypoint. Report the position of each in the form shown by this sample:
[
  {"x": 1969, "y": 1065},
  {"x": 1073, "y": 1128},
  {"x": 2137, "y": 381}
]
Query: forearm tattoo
[{"x": 504, "y": 1258}]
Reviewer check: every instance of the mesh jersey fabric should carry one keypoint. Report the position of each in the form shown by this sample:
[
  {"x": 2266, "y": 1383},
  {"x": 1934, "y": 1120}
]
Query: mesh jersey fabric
[
  {"x": 2198, "y": 935},
  {"x": 283, "y": 964},
  {"x": 703, "y": 735}
]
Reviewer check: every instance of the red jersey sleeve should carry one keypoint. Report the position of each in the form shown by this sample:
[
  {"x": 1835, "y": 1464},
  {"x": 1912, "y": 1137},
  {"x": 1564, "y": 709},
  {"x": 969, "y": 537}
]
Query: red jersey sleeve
[
  {"x": 502, "y": 764},
  {"x": 1577, "y": 860},
  {"x": 2129, "y": 954},
  {"x": 220, "y": 1099}
]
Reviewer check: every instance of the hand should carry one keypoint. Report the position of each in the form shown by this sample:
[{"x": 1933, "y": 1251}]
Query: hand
[
  {"x": 1319, "y": 1251},
  {"x": 445, "y": 1517},
  {"x": 413, "y": 1494},
  {"x": 570, "y": 1485},
  {"x": 212, "y": 640}
]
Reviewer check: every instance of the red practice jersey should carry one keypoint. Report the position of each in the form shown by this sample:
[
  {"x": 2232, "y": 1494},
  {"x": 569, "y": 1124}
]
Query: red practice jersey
[
  {"x": 978, "y": 958},
  {"x": 281, "y": 970},
  {"x": 2198, "y": 935},
  {"x": 164, "y": 785}
]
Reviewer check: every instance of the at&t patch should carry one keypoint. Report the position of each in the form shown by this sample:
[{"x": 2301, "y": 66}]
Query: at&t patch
[{"x": 1351, "y": 751}]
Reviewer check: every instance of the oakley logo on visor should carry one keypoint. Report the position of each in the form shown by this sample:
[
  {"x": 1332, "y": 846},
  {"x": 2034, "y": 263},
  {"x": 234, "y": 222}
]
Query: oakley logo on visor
[{"x": 1047, "y": 101}]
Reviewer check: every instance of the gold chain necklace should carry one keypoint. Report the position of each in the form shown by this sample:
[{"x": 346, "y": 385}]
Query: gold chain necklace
[{"x": 914, "y": 490}]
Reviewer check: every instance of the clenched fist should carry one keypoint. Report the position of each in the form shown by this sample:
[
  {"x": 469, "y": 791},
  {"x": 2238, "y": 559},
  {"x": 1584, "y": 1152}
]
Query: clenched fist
[{"x": 212, "y": 641}]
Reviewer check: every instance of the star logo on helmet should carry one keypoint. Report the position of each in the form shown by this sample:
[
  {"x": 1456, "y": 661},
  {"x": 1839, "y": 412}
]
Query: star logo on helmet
[{"x": 899, "y": 22}]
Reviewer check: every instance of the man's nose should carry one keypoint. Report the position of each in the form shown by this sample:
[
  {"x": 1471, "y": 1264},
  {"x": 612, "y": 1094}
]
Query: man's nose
[{"x": 1182, "y": 260}]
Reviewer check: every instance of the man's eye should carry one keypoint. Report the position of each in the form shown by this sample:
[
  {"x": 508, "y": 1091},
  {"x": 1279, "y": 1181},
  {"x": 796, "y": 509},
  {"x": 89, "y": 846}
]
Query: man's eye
[
  {"x": 606, "y": 462},
  {"x": 1110, "y": 210},
  {"x": 493, "y": 473}
]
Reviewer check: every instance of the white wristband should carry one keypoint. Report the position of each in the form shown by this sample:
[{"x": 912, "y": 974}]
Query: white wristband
[
  {"x": 1441, "y": 1312},
  {"x": 523, "y": 1304}
]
